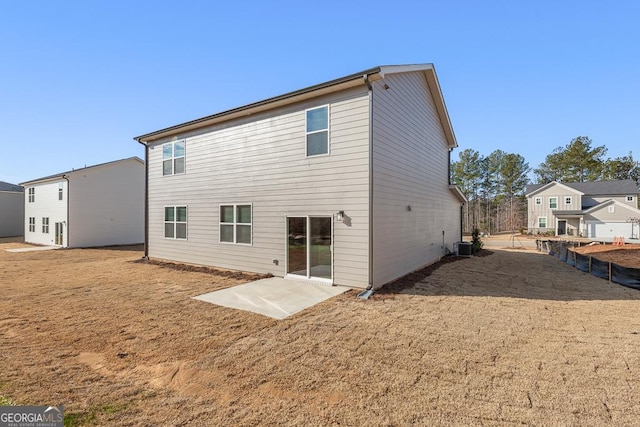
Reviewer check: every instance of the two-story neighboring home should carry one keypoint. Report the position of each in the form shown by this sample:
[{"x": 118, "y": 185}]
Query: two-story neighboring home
[
  {"x": 11, "y": 205},
  {"x": 345, "y": 182},
  {"x": 99, "y": 205},
  {"x": 598, "y": 209}
]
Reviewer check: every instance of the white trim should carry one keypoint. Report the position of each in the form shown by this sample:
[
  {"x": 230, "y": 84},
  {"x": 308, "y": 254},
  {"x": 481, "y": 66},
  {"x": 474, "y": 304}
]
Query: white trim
[
  {"x": 568, "y": 200},
  {"x": 173, "y": 157},
  {"x": 175, "y": 221},
  {"x": 308, "y": 278},
  {"x": 328, "y": 130},
  {"x": 611, "y": 208},
  {"x": 550, "y": 184},
  {"x": 234, "y": 224},
  {"x": 630, "y": 198},
  {"x": 551, "y": 198},
  {"x": 546, "y": 223},
  {"x": 538, "y": 199}
]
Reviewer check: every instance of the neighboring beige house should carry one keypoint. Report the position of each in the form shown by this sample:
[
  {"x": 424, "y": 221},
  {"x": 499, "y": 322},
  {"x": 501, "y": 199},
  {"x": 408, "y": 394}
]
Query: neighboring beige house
[
  {"x": 11, "y": 205},
  {"x": 99, "y": 205},
  {"x": 600, "y": 209},
  {"x": 345, "y": 182}
]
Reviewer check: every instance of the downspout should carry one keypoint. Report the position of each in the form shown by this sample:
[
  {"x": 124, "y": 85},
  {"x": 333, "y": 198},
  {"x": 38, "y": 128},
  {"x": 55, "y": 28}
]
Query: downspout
[
  {"x": 67, "y": 221},
  {"x": 369, "y": 291},
  {"x": 461, "y": 219},
  {"x": 146, "y": 199}
]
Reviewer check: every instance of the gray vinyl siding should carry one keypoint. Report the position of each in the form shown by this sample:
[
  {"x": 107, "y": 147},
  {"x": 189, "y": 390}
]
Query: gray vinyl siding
[
  {"x": 261, "y": 160},
  {"x": 410, "y": 168},
  {"x": 594, "y": 200},
  {"x": 543, "y": 210},
  {"x": 11, "y": 214},
  {"x": 621, "y": 213}
]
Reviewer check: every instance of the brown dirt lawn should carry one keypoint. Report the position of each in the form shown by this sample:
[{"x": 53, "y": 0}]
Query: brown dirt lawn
[
  {"x": 626, "y": 255},
  {"x": 509, "y": 338}
]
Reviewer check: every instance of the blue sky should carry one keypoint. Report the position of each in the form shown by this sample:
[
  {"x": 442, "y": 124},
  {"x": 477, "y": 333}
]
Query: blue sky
[{"x": 80, "y": 79}]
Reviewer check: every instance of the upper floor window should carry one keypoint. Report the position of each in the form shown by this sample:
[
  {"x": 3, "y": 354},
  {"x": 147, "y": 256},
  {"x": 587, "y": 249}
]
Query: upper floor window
[
  {"x": 175, "y": 222},
  {"x": 538, "y": 200},
  {"x": 317, "y": 131},
  {"x": 235, "y": 224},
  {"x": 32, "y": 195},
  {"x": 568, "y": 200},
  {"x": 553, "y": 203},
  {"x": 611, "y": 209},
  {"x": 173, "y": 157},
  {"x": 629, "y": 198},
  {"x": 60, "y": 191}
]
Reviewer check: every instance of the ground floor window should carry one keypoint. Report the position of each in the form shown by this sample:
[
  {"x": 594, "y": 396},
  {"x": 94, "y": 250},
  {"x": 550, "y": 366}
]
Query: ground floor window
[
  {"x": 542, "y": 222},
  {"x": 235, "y": 224},
  {"x": 32, "y": 224},
  {"x": 175, "y": 222},
  {"x": 45, "y": 225}
]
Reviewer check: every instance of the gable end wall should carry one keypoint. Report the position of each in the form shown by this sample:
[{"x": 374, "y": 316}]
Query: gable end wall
[{"x": 410, "y": 168}]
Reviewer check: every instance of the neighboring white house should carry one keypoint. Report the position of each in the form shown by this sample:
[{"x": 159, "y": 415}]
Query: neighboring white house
[
  {"x": 99, "y": 205},
  {"x": 11, "y": 205},
  {"x": 596, "y": 209},
  {"x": 345, "y": 182}
]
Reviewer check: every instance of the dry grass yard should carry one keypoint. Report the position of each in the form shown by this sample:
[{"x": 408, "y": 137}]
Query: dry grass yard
[{"x": 509, "y": 338}]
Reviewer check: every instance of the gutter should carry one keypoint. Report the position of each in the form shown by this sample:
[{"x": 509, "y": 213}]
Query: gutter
[{"x": 246, "y": 109}]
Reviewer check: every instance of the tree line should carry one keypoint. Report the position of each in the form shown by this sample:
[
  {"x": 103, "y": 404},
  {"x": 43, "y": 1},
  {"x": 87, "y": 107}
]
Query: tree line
[{"x": 495, "y": 184}]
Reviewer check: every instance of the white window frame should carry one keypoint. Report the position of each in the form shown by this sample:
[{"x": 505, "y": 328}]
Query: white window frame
[
  {"x": 568, "y": 200},
  {"x": 45, "y": 224},
  {"x": 32, "y": 224},
  {"x": 546, "y": 223},
  {"x": 538, "y": 201},
  {"x": 235, "y": 223},
  {"x": 60, "y": 191},
  {"x": 629, "y": 198},
  {"x": 611, "y": 208},
  {"x": 175, "y": 222},
  {"x": 32, "y": 194},
  {"x": 553, "y": 198},
  {"x": 327, "y": 130},
  {"x": 173, "y": 157}
]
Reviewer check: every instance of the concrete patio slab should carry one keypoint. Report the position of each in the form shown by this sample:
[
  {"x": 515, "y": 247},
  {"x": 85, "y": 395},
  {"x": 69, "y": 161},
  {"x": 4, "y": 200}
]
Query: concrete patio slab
[
  {"x": 273, "y": 297},
  {"x": 33, "y": 248}
]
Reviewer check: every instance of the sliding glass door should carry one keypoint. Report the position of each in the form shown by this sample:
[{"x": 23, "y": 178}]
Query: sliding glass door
[{"x": 309, "y": 247}]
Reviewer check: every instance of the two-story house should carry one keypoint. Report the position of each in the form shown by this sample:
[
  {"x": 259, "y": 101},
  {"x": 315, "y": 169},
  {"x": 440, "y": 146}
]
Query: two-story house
[
  {"x": 599, "y": 209},
  {"x": 99, "y": 205},
  {"x": 345, "y": 182}
]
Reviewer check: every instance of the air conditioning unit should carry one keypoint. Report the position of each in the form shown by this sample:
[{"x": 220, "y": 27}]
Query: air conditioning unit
[{"x": 464, "y": 249}]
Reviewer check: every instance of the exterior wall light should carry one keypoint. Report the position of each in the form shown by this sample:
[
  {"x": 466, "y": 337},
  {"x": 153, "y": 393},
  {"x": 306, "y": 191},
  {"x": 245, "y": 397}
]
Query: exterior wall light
[{"x": 340, "y": 216}]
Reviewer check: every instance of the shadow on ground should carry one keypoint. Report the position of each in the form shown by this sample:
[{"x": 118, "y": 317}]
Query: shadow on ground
[{"x": 507, "y": 274}]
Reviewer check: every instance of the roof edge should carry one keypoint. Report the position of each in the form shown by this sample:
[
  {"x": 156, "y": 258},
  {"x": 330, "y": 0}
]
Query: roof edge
[
  {"x": 62, "y": 174},
  {"x": 204, "y": 121}
]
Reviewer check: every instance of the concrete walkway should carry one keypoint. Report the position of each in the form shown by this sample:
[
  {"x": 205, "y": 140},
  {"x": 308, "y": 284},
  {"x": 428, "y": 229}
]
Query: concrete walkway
[
  {"x": 33, "y": 248},
  {"x": 273, "y": 297}
]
